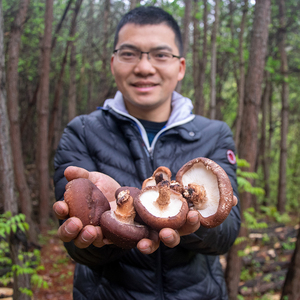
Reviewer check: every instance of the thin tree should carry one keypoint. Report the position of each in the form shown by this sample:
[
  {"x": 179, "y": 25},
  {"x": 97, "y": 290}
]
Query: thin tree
[
  {"x": 199, "y": 63},
  {"x": 213, "y": 72},
  {"x": 13, "y": 111},
  {"x": 7, "y": 177},
  {"x": 90, "y": 55},
  {"x": 55, "y": 121},
  {"x": 248, "y": 143},
  {"x": 264, "y": 148},
  {"x": 281, "y": 199},
  {"x": 241, "y": 79},
  {"x": 73, "y": 63},
  {"x": 186, "y": 33},
  {"x": 43, "y": 116}
]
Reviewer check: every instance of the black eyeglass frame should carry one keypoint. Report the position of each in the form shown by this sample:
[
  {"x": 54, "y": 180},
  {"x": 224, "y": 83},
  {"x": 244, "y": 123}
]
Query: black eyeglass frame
[{"x": 148, "y": 52}]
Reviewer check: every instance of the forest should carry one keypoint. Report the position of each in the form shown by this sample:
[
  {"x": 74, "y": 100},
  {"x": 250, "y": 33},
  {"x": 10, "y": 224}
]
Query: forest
[{"x": 243, "y": 67}]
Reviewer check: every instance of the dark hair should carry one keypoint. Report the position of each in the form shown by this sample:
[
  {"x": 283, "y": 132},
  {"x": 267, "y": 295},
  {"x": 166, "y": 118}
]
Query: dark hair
[{"x": 150, "y": 15}]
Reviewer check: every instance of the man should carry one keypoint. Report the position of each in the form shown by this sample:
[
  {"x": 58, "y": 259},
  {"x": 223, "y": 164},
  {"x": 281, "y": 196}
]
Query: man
[{"x": 145, "y": 126}]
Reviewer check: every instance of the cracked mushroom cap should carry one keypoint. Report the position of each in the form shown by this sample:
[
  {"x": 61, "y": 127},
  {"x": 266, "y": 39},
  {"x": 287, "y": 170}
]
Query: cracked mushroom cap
[
  {"x": 119, "y": 226},
  {"x": 85, "y": 201},
  {"x": 161, "y": 207},
  {"x": 208, "y": 189},
  {"x": 160, "y": 174}
]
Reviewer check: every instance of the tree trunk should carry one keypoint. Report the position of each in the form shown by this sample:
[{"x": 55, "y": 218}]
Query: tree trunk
[
  {"x": 105, "y": 56},
  {"x": 72, "y": 87},
  {"x": 43, "y": 115},
  {"x": 199, "y": 64},
  {"x": 90, "y": 55},
  {"x": 186, "y": 33},
  {"x": 213, "y": 72},
  {"x": 241, "y": 80},
  {"x": 248, "y": 143},
  {"x": 58, "y": 27},
  {"x": 264, "y": 149},
  {"x": 13, "y": 111},
  {"x": 291, "y": 287},
  {"x": 7, "y": 174},
  {"x": 281, "y": 199},
  {"x": 55, "y": 122}
]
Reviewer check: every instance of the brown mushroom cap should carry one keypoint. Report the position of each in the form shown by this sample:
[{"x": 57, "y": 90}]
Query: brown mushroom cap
[
  {"x": 207, "y": 184},
  {"x": 119, "y": 225},
  {"x": 160, "y": 174},
  {"x": 85, "y": 201},
  {"x": 161, "y": 207}
]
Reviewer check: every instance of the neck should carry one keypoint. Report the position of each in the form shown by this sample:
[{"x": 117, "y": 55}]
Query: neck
[{"x": 159, "y": 114}]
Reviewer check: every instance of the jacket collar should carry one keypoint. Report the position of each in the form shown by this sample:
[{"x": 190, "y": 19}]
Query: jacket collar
[
  {"x": 181, "y": 114},
  {"x": 181, "y": 108}
]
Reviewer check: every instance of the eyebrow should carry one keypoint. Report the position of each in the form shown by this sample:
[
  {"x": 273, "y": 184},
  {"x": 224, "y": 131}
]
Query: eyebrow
[{"x": 130, "y": 46}]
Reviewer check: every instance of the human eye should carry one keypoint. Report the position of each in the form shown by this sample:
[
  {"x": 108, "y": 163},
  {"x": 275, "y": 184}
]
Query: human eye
[
  {"x": 161, "y": 55},
  {"x": 127, "y": 54}
]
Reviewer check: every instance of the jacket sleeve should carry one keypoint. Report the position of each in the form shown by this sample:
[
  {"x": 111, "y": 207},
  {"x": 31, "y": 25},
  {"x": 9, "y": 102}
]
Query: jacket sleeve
[
  {"x": 218, "y": 240},
  {"x": 72, "y": 151}
]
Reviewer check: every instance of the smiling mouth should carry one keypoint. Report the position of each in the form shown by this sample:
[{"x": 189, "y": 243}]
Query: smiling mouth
[{"x": 144, "y": 85}]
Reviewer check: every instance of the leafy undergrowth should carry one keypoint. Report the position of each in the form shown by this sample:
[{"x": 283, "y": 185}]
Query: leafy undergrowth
[{"x": 58, "y": 270}]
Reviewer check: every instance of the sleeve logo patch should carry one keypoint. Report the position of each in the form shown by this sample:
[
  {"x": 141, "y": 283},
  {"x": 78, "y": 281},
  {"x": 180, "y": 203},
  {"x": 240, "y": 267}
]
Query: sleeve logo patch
[{"x": 231, "y": 157}]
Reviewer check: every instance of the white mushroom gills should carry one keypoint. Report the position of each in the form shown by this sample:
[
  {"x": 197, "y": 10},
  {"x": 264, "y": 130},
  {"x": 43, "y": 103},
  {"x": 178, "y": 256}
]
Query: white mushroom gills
[
  {"x": 148, "y": 200},
  {"x": 201, "y": 175}
]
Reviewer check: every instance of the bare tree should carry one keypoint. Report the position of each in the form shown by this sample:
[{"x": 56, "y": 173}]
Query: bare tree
[
  {"x": 241, "y": 79},
  {"x": 199, "y": 63},
  {"x": 264, "y": 147},
  {"x": 213, "y": 72},
  {"x": 43, "y": 116},
  {"x": 186, "y": 33},
  {"x": 281, "y": 199},
  {"x": 73, "y": 62},
  {"x": 7, "y": 177},
  {"x": 248, "y": 144},
  {"x": 13, "y": 111}
]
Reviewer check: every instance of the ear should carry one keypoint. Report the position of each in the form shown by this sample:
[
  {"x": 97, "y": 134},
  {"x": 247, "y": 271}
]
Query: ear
[
  {"x": 182, "y": 67},
  {"x": 111, "y": 64}
]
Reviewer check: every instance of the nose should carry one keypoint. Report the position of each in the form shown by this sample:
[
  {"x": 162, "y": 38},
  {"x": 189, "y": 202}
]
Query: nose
[{"x": 144, "y": 66}]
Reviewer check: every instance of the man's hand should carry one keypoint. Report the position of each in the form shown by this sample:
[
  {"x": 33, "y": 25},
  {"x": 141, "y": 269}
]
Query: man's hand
[
  {"x": 72, "y": 228},
  {"x": 170, "y": 237}
]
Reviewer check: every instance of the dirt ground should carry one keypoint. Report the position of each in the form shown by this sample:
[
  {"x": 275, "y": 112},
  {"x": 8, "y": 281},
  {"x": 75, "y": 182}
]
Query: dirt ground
[{"x": 58, "y": 270}]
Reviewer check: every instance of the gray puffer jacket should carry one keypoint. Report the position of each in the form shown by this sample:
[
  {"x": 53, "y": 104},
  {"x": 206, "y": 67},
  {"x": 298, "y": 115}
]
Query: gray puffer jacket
[{"x": 113, "y": 142}]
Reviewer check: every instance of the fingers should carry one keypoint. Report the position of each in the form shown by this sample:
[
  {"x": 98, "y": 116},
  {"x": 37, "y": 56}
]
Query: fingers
[
  {"x": 98, "y": 242},
  {"x": 61, "y": 210},
  {"x": 148, "y": 246},
  {"x": 192, "y": 223},
  {"x": 169, "y": 237},
  {"x": 82, "y": 237},
  {"x": 235, "y": 201},
  {"x": 75, "y": 172},
  {"x": 70, "y": 229},
  {"x": 86, "y": 237}
]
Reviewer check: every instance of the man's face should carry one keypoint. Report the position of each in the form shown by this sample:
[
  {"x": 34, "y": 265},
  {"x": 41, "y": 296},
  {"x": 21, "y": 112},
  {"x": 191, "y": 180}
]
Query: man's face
[{"x": 145, "y": 87}]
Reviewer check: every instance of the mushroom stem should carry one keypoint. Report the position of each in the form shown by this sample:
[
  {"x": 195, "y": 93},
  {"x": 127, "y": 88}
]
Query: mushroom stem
[
  {"x": 125, "y": 211},
  {"x": 196, "y": 194},
  {"x": 164, "y": 194}
]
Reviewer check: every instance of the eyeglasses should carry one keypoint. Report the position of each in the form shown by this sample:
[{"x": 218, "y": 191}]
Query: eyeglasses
[{"x": 132, "y": 56}]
